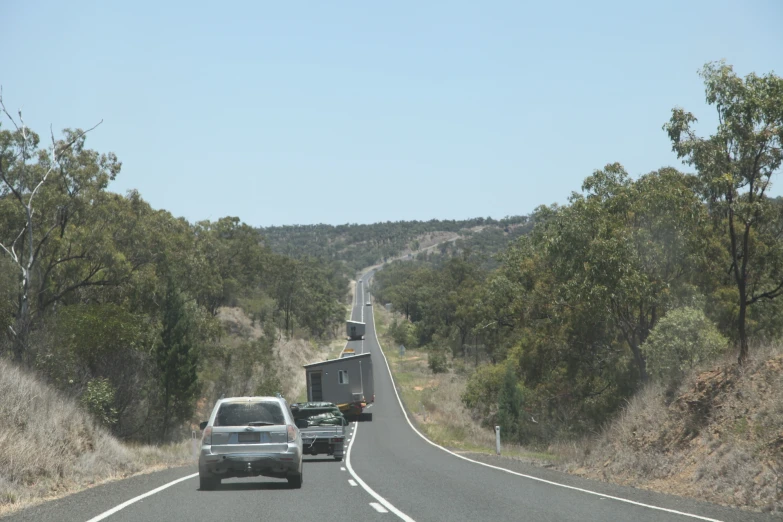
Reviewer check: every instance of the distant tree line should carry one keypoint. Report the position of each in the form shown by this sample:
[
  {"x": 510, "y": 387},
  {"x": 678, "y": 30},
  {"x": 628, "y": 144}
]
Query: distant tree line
[
  {"x": 360, "y": 246},
  {"x": 631, "y": 281}
]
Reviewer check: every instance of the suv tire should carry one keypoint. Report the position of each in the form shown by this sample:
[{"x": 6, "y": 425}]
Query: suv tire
[
  {"x": 295, "y": 481},
  {"x": 206, "y": 483}
]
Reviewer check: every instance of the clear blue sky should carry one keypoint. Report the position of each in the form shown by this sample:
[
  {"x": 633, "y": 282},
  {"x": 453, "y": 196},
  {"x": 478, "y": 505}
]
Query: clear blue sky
[{"x": 358, "y": 112}]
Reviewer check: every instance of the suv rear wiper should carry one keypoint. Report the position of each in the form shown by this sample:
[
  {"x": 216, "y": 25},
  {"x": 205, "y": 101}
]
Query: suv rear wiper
[{"x": 261, "y": 423}]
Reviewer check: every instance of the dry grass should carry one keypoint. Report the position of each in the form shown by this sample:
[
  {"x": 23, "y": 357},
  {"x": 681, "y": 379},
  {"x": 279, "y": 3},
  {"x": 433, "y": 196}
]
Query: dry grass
[
  {"x": 290, "y": 356},
  {"x": 719, "y": 437},
  {"x": 238, "y": 324},
  {"x": 435, "y": 401},
  {"x": 50, "y": 447},
  {"x": 293, "y": 354}
]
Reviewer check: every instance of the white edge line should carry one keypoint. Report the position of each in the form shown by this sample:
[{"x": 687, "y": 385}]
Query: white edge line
[
  {"x": 385, "y": 503},
  {"x": 377, "y": 507},
  {"x": 140, "y": 497},
  {"x": 574, "y": 488}
]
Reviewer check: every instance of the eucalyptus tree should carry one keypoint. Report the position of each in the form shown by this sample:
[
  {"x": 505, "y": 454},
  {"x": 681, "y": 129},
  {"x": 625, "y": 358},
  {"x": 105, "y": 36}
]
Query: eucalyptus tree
[
  {"x": 735, "y": 167},
  {"x": 44, "y": 195}
]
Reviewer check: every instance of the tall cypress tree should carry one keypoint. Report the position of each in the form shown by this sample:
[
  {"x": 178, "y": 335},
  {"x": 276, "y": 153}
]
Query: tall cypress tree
[
  {"x": 177, "y": 358},
  {"x": 509, "y": 406}
]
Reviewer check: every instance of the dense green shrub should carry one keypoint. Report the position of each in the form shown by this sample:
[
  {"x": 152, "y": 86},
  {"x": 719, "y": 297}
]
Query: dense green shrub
[
  {"x": 682, "y": 339},
  {"x": 98, "y": 399},
  {"x": 437, "y": 361}
]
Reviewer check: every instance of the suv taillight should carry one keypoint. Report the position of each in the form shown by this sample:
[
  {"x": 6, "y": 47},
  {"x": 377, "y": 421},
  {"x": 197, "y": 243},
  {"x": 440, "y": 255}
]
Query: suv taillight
[
  {"x": 206, "y": 438},
  {"x": 291, "y": 433}
]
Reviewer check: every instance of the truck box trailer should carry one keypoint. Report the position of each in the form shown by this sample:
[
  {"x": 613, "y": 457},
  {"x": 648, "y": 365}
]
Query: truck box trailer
[
  {"x": 347, "y": 382},
  {"x": 355, "y": 330}
]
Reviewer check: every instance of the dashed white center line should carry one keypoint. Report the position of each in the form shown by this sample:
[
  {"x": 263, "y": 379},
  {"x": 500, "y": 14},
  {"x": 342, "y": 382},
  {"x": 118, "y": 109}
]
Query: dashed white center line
[
  {"x": 379, "y": 508},
  {"x": 342, "y": 469},
  {"x": 352, "y": 482}
]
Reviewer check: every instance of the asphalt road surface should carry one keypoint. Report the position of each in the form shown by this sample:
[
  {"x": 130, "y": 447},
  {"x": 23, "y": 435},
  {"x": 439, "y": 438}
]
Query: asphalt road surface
[{"x": 390, "y": 472}]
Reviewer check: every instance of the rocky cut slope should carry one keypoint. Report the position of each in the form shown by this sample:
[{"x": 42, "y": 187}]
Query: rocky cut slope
[{"x": 718, "y": 437}]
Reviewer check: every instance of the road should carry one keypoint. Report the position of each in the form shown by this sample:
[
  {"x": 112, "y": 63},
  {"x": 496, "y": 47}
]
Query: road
[{"x": 390, "y": 473}]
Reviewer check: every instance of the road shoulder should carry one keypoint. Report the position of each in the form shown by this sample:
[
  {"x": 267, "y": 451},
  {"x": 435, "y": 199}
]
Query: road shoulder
[{"x": 93, "y": 501}]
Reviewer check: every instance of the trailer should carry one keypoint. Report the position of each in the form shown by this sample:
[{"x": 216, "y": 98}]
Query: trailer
[
  {"x": 347, "y": 382},
  {"x": 325, "y": 431},
  {"x": 355, "y": 330}
]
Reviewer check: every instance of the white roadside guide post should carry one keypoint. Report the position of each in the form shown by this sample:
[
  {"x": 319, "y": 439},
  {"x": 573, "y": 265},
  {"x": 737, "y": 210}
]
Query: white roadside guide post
[
  {"x": 497, "y": 439},
  {"x": 194, "y": 442}
]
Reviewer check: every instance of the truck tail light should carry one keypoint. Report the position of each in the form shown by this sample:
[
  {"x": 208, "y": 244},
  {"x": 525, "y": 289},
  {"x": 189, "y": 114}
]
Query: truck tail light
[
  {"x": 291, "y": 433},
  {"x": 206, "y": 438},
  {"x": 336, "y": 439}
]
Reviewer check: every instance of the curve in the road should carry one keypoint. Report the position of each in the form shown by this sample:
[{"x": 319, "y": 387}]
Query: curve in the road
[
  {"x": 396, "y": 469},
  {"x": 385, "y": 503},
  {"x": 538, "y": 479}
]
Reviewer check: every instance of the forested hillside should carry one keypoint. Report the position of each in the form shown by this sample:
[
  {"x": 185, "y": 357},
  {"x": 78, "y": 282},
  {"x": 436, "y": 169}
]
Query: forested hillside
[
  {"x": 360, "y": 246},
  {"x": 632, "y": 281},
  {"x": 115, "y": 303}
]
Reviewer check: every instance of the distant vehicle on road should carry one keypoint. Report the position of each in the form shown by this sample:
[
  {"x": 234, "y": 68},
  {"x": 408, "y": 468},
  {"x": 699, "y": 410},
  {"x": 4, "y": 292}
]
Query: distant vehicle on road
[
  {"x": 248, "y": 437},
  {"x": 348, "y": 352},
  {"x": 355, "y": 330}
]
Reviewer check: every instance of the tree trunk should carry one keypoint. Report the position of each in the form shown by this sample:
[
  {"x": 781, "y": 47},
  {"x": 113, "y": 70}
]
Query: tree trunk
[
  {"x": 22, "y": 326},
  {"x": 634, "y": 343},
  {"x": 165, "y": 414},
  {"x": 640, "y": 362},
  {"x": 743, "y": 335}
]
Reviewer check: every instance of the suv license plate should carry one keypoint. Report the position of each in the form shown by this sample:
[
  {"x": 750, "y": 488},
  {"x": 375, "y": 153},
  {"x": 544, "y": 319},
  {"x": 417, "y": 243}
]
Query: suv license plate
[{"x": 253, "y": 436}]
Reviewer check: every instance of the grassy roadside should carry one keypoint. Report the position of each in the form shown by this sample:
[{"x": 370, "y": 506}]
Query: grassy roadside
[
  {"x": 49, "y": 447},
  {"x": 434, "y": 401},
  {"x": 736, "y": 458}
]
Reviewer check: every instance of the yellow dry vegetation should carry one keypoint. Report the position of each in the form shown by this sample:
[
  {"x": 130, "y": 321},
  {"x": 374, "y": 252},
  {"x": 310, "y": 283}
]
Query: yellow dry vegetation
[
  {"x": 50, "y": 447},
  {"x": 717, "y": 437}
]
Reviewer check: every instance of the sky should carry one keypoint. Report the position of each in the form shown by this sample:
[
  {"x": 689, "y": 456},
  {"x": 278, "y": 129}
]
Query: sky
[{"x": 286, "y": 113}]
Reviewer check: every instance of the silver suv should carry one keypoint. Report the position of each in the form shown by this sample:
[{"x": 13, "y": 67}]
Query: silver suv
[{"x": 248, "y": 437}]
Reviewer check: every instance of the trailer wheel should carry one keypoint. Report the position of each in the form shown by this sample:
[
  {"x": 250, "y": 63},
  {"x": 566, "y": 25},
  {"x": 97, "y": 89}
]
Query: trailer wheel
[{"x": 338, "y": 459}]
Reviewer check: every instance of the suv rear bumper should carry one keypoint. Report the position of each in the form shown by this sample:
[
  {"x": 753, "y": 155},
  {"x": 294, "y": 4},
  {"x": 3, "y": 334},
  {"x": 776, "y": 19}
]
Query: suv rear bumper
[{"x": 279, "y": 465}]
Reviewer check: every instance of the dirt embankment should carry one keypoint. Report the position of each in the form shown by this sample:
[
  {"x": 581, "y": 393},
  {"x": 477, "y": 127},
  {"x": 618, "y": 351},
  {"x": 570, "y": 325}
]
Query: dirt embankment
[
  {"x": 50, "y": 447},
  {"x": 718, "y": 437},
  {"x": 290, "y": 354}
]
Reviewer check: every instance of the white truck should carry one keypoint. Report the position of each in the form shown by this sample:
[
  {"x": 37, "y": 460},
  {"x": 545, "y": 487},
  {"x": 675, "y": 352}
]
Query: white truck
[
  {"x": 325, "y": 433},
  {"x": 355, "y": 330}
]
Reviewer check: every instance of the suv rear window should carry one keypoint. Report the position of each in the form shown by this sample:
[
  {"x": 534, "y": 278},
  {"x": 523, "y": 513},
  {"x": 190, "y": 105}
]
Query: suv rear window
[{"x": 243, "y": 413}]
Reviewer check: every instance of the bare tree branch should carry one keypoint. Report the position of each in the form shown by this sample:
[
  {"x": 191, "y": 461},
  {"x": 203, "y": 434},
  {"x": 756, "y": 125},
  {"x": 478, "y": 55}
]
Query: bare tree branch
[
  {"x": 772, "y": 294},
  {"x": 2, "y": 107}
]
